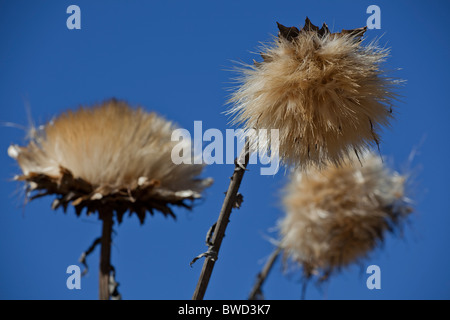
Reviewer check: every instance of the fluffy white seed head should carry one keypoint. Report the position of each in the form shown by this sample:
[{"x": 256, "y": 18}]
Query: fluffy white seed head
[
  {"x": 326, "y": 93},
  {"x": 116, "y": 153},
  {"x": 337, "y": 216}
]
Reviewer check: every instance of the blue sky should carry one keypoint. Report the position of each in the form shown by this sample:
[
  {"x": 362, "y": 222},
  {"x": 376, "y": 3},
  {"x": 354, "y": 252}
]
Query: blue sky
[{"x": 173, "y": 57}]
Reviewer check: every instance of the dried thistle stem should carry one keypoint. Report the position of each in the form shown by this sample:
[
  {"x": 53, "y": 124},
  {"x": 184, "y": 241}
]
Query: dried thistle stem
[
  {"x": 256, "y": 292},
  {"x": 222, "y": 222},
  {"x": 105, "y": 256}
]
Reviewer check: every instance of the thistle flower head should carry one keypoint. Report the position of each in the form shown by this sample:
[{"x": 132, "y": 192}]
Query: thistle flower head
[
  {"x": 325, "y": 92},
  {"x": 109, "y": 158},
  {"x": 336, "y": 216}
]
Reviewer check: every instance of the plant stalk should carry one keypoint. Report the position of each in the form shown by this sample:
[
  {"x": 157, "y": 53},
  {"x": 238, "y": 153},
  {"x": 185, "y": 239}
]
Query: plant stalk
[
  {"x": 222, "y": 222},
  {"x": 256, "y": 292},
  {"x": 105, "y": 256}
]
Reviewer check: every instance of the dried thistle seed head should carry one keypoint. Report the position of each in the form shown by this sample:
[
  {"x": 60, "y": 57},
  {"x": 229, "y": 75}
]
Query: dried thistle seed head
[
  {"x": 109, "y": 158},
  {"x": 337, "y": 216},
  {"x": 326, "y": 93}
]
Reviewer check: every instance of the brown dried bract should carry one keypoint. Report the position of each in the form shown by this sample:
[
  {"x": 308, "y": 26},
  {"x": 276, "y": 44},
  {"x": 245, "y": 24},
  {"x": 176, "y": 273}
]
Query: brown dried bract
[{"x": 290, "y": 33}]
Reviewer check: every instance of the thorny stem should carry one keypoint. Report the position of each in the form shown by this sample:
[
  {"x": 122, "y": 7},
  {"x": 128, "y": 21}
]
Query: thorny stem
[
  {"x": 105, "y": 256},
  {"x": 222, "y": 222},
  {"x": 256, "y": 292}
]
